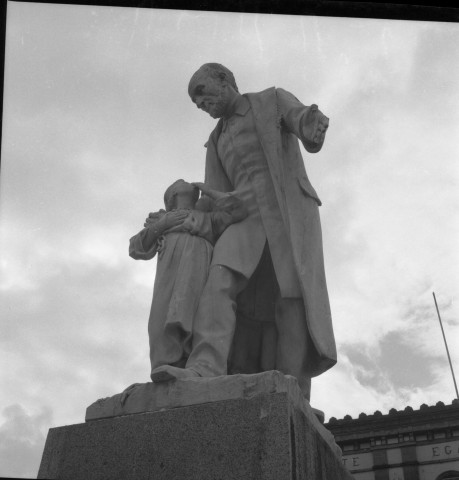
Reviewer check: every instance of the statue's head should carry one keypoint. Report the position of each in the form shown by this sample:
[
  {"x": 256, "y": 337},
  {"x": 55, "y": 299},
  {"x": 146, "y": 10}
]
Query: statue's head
[
  {"x": 212, "y": 89},
  {"x": 183, "y": 189}
]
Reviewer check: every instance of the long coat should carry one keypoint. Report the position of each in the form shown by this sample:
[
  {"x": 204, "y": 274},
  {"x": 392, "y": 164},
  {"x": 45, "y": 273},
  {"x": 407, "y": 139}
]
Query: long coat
[{"x": 281, "y": 120}]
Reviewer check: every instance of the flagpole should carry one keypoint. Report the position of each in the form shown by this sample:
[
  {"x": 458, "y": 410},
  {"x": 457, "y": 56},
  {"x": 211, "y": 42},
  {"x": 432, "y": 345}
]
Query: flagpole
[{"x": 446, "y": 345}]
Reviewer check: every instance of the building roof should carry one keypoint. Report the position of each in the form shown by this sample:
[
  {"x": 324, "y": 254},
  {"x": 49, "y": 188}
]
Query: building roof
[{"x": 396, "y": 421}]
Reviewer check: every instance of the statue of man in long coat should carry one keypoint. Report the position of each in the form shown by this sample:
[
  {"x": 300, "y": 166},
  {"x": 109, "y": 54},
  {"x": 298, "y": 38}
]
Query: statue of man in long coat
[{"x": 254, "y": 149}]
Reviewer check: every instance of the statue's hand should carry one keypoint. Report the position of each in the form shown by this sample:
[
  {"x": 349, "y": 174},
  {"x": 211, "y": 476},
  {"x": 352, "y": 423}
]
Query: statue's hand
[
  {"x": 321, "y": 130},
  {"x": 314, "y": 127},
  {"x": 206, "y": 190},
  {"x": 202, "y": 186},
  {"x": 173, "y": 219},
  {"x": 162, "y": 221},
  {"x": 318, "y": 127}
]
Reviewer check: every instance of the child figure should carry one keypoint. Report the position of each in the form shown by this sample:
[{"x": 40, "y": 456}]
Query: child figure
[{"x": 183, "y": 235}]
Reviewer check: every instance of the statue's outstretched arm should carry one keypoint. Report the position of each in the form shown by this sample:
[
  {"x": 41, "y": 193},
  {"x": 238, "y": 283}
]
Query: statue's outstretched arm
[{"x": 309, "y": 124}]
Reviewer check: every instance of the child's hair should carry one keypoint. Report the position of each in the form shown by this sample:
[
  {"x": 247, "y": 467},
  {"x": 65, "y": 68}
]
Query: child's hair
[{"x": 171, "y": 193}]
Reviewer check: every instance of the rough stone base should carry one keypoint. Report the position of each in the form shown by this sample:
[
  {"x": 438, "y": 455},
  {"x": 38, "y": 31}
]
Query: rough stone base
[{"x": 263, "y": 434}]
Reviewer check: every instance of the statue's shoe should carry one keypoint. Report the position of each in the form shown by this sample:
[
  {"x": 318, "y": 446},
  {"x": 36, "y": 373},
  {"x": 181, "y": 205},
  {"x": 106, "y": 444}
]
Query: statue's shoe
[{"x": 166, "y": 373}]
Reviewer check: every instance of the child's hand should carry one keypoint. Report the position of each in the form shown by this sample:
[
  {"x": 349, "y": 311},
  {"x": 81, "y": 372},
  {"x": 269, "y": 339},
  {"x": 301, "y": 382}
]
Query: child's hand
[{"x": 153, "y": 218}]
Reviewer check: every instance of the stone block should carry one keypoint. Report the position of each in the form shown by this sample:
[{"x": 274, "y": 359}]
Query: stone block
[{"x": 264, "y": 430}]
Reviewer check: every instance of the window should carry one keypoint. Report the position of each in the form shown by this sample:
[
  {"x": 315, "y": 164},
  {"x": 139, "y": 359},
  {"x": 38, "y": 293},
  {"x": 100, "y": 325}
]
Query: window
[{"x": 449, "y": 475}]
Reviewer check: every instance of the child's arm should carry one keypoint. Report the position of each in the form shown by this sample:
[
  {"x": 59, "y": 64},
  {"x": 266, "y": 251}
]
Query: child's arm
[
  {"x": 156, "y": 228},
  {"x": 143, "y": 246}
]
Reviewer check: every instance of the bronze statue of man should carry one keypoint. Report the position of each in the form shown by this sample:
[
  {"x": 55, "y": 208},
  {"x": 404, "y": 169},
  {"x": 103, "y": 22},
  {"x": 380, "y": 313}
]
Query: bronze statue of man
[{"x": 254, "y": 149}]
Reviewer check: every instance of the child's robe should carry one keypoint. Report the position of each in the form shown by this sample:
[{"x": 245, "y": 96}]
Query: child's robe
[{"x": 184, "y": 256}]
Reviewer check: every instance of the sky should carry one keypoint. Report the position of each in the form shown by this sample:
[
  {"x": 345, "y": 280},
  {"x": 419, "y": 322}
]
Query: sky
[{"x": 97, "y": 123}]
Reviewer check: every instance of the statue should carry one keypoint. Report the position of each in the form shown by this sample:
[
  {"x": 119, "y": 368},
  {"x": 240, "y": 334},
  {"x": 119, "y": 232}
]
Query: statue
[
  {"x": 240, "y": 288},
  {"x": 267, "y": 268},
  {"x": 183, "y": 236}
]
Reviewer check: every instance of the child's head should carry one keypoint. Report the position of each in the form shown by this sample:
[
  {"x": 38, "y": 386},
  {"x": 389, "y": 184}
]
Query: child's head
[{"x": 183, "y": 191}]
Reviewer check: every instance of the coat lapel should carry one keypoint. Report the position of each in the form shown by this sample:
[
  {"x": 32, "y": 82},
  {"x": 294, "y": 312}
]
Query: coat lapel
[
  {"x": 264, "y": 107},
  {"x": 215, "y": 175}
]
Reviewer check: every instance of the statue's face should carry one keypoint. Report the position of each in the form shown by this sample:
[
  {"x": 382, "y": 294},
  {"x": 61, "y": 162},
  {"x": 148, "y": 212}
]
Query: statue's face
[{"x": 209, "y": 94}]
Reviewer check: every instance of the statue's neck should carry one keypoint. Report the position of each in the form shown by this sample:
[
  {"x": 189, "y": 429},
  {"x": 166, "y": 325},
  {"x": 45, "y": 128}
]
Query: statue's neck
[{"x": 232, "y": 102}]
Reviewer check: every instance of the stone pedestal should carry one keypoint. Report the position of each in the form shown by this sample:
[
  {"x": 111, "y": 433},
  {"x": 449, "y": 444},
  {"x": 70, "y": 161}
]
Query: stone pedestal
[{"x": 236, "y": 427}]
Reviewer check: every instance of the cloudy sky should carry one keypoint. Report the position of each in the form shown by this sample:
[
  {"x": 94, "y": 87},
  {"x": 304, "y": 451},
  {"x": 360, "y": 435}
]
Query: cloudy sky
[{"x": 97, "y": 123}]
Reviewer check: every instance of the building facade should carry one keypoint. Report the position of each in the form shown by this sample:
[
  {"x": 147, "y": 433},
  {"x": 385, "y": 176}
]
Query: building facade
[{"x": 402, "y": 445}]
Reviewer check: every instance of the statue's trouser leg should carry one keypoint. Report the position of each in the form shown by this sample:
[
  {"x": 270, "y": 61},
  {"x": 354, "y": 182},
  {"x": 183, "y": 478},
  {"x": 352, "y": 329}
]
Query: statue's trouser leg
[
  {"x": 293, "y": 341},
  {"x": 166, "y": 345},
  {"x": 215, "y": 322}
]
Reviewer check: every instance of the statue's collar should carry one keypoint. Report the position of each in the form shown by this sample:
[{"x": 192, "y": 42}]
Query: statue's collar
[{"x": 240, "y": 107}]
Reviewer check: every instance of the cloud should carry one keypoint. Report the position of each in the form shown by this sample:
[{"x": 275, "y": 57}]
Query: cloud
[
  {"x": 435, "y": 70},
  {"x": 407, "y": 365},
  {"x": 396, "y": 363},
  {"x": 339, "y": 393},
  {"x": 390, "y": 196},
  {"x": 394, "y": 375},
  {"x": 83, "y": 329},
  {"x": 22, "y": 440}
]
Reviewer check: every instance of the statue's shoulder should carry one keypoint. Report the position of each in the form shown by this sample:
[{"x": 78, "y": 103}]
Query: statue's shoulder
[
  {"x": 271, "y": 96},
  {"x": 260, "y": 101},
  {"x": 269, "y": 93},
  {"x": 285, "y": 95}
]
